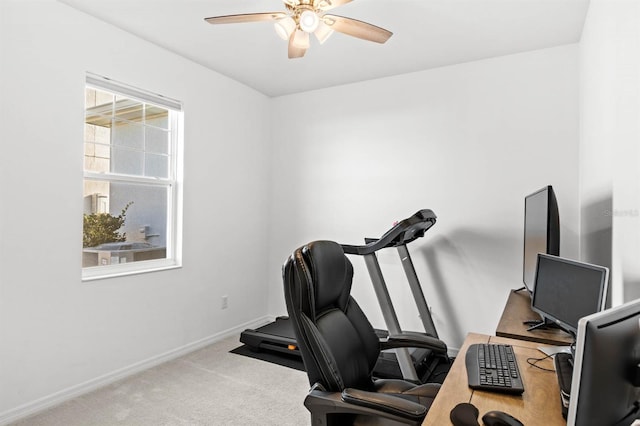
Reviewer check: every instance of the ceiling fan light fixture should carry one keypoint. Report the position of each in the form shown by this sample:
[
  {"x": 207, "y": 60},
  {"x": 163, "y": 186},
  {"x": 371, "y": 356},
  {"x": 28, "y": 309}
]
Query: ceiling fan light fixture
[
  {"x": 323, "y": 32},
  {"x": 285, "y": 27},
  {"x": 303, "y": 17},
  {"x": 309, "y": 21},
  {"x": 301, "y": 39}
]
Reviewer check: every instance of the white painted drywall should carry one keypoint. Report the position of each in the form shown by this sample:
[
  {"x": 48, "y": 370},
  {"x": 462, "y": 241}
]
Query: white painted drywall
[
  {"x": 467, "y": 141},
  {"x": 610, "y": 142},
  {"x": 58, "y": 334}
]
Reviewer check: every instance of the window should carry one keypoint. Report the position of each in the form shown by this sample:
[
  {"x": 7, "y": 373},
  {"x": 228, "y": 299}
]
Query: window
[{"x": 131, "y": 180}]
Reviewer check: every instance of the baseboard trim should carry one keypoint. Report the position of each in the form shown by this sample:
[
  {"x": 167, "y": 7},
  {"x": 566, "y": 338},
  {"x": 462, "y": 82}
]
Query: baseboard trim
[{"x": 56, "y": 398}]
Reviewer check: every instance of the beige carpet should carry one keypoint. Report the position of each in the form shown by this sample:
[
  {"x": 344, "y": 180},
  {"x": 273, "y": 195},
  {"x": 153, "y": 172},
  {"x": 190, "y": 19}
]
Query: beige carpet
[{"x": 207, "y": 387}]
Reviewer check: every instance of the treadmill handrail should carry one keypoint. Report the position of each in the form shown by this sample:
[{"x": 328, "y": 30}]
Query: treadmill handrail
[{"x": 402, "y": 233}]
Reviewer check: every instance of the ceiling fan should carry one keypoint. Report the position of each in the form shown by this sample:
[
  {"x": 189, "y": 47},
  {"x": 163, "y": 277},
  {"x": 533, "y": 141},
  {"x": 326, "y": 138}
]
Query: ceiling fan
[{"x": 303, "y": 17}]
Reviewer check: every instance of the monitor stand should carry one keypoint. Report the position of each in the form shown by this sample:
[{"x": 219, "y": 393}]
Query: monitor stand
[
  {"x": 542, "y": 324},
  {"x": 553, "y": 350}
]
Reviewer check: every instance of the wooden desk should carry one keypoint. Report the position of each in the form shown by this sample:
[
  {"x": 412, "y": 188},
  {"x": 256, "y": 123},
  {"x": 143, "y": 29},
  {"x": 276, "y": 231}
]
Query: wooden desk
[
  {"x": 538, "y": 405},
  {"x": 517, "y": 310}
]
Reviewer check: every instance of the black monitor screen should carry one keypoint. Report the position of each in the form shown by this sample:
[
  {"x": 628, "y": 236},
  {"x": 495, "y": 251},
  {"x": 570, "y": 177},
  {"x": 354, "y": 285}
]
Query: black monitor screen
[
  {"x": 541, "y": 231},
  {"x": 604, "y": 385},
  {"x": 567, "y": 290}
]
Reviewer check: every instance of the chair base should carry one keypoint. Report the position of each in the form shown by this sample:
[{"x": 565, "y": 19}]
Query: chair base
[{"x": 352, "y": 420}]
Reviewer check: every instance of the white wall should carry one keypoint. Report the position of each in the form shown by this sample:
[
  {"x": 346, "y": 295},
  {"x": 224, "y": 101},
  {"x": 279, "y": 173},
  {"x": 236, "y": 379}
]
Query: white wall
[
  {"x": 467, "y": 141},
  {"x": 59, "y": 335},
  {"x": 610, "y": 151}
]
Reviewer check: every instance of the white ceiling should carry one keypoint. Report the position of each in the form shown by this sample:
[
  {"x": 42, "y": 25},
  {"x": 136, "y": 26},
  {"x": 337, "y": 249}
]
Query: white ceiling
[{"x": 427, "y": 34}]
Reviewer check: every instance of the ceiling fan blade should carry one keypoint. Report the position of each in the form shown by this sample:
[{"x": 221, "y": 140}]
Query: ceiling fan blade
[
  {"x": 246, "y": 17},
  {"x": 294, "y": 51},
  {"x": 330, "y": 4},
  {"x": 356, "y": 28}
]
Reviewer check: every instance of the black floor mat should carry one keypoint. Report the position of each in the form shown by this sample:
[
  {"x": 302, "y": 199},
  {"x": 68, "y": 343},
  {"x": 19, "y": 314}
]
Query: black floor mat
[
  {"x": 295, "y": 362},
  {"x": 291, "y": 361}
]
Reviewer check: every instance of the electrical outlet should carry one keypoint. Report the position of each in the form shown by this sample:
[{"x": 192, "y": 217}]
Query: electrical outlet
[{"x": 225, "y": 302}]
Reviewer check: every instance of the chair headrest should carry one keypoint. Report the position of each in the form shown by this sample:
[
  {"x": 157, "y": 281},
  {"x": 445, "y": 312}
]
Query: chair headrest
[{"x": 331, "y": 273}]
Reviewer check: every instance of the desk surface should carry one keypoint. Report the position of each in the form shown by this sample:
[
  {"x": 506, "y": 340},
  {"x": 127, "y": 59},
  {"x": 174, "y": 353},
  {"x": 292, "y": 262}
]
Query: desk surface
[
  {"x": 538, "y": 405},
  {"x": 517, "y": 310}
]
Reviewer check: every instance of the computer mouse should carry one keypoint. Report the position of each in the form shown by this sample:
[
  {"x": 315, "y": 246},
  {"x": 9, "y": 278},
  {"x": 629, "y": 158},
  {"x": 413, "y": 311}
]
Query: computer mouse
[
  {"x": 464, "y": 414},
  {"x": 500, "y": 418}
]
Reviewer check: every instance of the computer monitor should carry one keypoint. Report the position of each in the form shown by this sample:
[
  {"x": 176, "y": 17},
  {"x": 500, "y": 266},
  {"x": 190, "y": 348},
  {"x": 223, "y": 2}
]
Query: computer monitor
[
  {"x": 541, "y": 231},
  {"x": 567, "y": 290},
  {"x": 604, "y": 384}
]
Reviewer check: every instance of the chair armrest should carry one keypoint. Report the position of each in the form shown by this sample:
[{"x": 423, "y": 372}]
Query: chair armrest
[
  {"x": 414, "y": 340},
  {"x": 385, "y": 402}
]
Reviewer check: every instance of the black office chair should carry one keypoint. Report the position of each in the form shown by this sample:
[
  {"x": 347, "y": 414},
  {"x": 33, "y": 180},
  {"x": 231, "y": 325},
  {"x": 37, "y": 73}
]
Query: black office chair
[{"x": 339, "y": 346}]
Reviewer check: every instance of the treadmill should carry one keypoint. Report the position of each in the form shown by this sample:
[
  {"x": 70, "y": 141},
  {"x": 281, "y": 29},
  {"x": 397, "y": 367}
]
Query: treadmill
[
  {"x": 411, "y": 364},
  {"x": 277, "y": 336}
]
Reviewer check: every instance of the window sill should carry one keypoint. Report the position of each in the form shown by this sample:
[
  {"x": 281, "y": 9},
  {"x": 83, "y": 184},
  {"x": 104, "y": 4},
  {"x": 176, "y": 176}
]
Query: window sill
[{"x": 95, "y": 273}]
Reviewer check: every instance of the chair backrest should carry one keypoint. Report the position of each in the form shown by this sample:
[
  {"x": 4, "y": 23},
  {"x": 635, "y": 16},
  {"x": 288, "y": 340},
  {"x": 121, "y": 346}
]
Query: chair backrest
[{"x": 339, "y": 346}]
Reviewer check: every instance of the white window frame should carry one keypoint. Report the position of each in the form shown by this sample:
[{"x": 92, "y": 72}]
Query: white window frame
[{"x": 174, "y": 183}]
